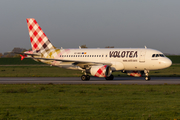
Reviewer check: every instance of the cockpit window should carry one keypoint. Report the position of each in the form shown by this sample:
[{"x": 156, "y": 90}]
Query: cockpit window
[
  {"x": 158, "y": 55},
  {"x": 153, "y": 55},
  {"x": 162, "y": 55}
]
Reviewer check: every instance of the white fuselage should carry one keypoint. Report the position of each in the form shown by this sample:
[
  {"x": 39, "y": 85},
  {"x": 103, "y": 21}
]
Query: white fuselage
[
  {"x": 97, "y": 62},
  {"x": 120, "y": 58}
]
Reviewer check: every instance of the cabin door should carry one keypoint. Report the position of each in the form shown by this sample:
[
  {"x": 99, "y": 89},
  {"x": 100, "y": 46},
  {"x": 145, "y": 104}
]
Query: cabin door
[{"x": 142, "y": 56}]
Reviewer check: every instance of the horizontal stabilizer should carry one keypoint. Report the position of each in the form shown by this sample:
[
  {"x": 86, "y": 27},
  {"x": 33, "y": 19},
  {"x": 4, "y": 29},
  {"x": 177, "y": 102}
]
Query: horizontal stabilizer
[{"x": 26, "y": 54}]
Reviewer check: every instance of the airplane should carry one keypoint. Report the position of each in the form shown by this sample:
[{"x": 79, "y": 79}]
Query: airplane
[{"x": 99, "y": 62}]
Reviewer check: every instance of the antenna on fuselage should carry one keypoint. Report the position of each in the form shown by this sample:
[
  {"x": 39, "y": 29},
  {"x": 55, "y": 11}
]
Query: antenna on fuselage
[
  {"x": 145, "y": 47},
  {"x": 79, "y": 47}
]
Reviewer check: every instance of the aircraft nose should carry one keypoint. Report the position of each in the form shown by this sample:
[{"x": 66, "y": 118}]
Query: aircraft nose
[{"x": 168, "y": 62}]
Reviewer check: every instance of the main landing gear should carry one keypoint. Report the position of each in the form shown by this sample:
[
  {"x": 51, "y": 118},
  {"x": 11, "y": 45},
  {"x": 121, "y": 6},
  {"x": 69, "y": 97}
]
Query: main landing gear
[
  {"x": 146, "y": 72},
  {"x": 85, "y": 77}
]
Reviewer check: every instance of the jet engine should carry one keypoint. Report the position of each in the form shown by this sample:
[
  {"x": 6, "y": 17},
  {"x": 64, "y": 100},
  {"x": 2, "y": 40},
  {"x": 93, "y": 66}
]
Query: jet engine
[
  {"x": 135, "y": 73},
  {"x": 101, "y": 71}
]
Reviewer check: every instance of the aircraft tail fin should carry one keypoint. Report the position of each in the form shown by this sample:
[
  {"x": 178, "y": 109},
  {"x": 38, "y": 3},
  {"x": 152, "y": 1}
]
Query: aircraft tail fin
[{"x": 39, "y": 40}]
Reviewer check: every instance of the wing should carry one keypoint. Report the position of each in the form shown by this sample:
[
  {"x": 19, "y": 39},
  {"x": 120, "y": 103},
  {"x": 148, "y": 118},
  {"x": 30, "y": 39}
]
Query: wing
[{"x": 81, "y": 64}]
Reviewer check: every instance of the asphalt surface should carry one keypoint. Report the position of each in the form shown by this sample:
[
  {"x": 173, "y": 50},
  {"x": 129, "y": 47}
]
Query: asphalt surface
[{"x": 93, "y": 80}]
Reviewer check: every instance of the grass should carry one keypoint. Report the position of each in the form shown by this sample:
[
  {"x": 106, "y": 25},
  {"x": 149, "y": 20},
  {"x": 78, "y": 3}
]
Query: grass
[
  {"x": 37, "y": 71},
  {"x": 126, "y": 102},
  {"x": 86, "y": 102},
  {"x": 174, "y": 58},
  {"x": 47, "y": 71},
  {"x": 172, "y": 71},
  {"x": 18, "y": 61}
]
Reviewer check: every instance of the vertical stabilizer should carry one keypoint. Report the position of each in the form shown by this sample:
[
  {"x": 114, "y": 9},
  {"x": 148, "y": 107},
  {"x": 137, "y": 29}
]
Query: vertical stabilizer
[{"x": 39, "y": 40}]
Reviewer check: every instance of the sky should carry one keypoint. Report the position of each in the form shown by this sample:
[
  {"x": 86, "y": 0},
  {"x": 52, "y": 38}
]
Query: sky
[{"x": 94, "y": 23}]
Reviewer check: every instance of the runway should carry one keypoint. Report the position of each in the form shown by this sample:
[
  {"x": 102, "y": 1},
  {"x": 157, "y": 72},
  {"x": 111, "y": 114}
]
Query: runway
[{"x": 93, "y": 80}]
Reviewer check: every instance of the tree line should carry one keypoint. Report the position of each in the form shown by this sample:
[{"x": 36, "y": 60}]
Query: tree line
[{"x": 21, "y": 50}]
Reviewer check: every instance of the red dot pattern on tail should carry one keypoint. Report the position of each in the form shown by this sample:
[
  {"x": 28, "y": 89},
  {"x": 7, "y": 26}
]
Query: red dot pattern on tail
[{"x": 38, "y": 38}]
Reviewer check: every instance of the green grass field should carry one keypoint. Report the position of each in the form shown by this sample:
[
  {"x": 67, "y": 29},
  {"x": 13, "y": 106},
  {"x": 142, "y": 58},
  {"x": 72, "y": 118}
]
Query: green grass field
[
  {"x": 85, "y": 102},
  {"x": 90, "y": 102},
  {"x": 47, "y": 71},
  {"x": 37, "y": 71},
  {"x": 18, "y": 61},
  {"x": 174, "y": 58}
]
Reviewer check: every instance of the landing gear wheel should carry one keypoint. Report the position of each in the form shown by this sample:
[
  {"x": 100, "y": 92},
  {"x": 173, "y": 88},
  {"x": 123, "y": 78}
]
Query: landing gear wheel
[
  {"x": 85, "y": 77},
  {"x": 111, "y": 77},
  {"x": 147, "y": 78}
]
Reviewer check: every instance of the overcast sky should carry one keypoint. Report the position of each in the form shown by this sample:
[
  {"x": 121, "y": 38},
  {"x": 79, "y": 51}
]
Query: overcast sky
[{"x": 96, "y": 23}]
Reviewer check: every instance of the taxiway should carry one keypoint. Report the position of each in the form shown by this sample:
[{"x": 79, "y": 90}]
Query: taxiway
[{"x": 94, "y": 80}]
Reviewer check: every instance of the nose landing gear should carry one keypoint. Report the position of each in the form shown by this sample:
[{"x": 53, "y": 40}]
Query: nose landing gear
[
  {"x": 147, "y": 75},
  {"x": 147, "y": 78}
]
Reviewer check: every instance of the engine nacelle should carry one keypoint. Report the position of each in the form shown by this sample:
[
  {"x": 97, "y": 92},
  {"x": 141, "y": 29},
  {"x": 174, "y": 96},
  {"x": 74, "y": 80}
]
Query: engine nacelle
[
  {"x": 101, "y": 71},
  {"x": 135, "y": 73}
]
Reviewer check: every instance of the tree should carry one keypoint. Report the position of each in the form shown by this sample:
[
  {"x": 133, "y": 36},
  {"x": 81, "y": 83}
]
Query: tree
[
  {"x": 17, "y": 50},
  {"x": 83, "y": 46},
  {"x": 109, "y": 47}
]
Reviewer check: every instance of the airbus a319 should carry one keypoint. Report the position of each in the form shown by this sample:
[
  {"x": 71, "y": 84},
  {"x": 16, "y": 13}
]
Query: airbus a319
[{"x": 100, "y": 62}]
